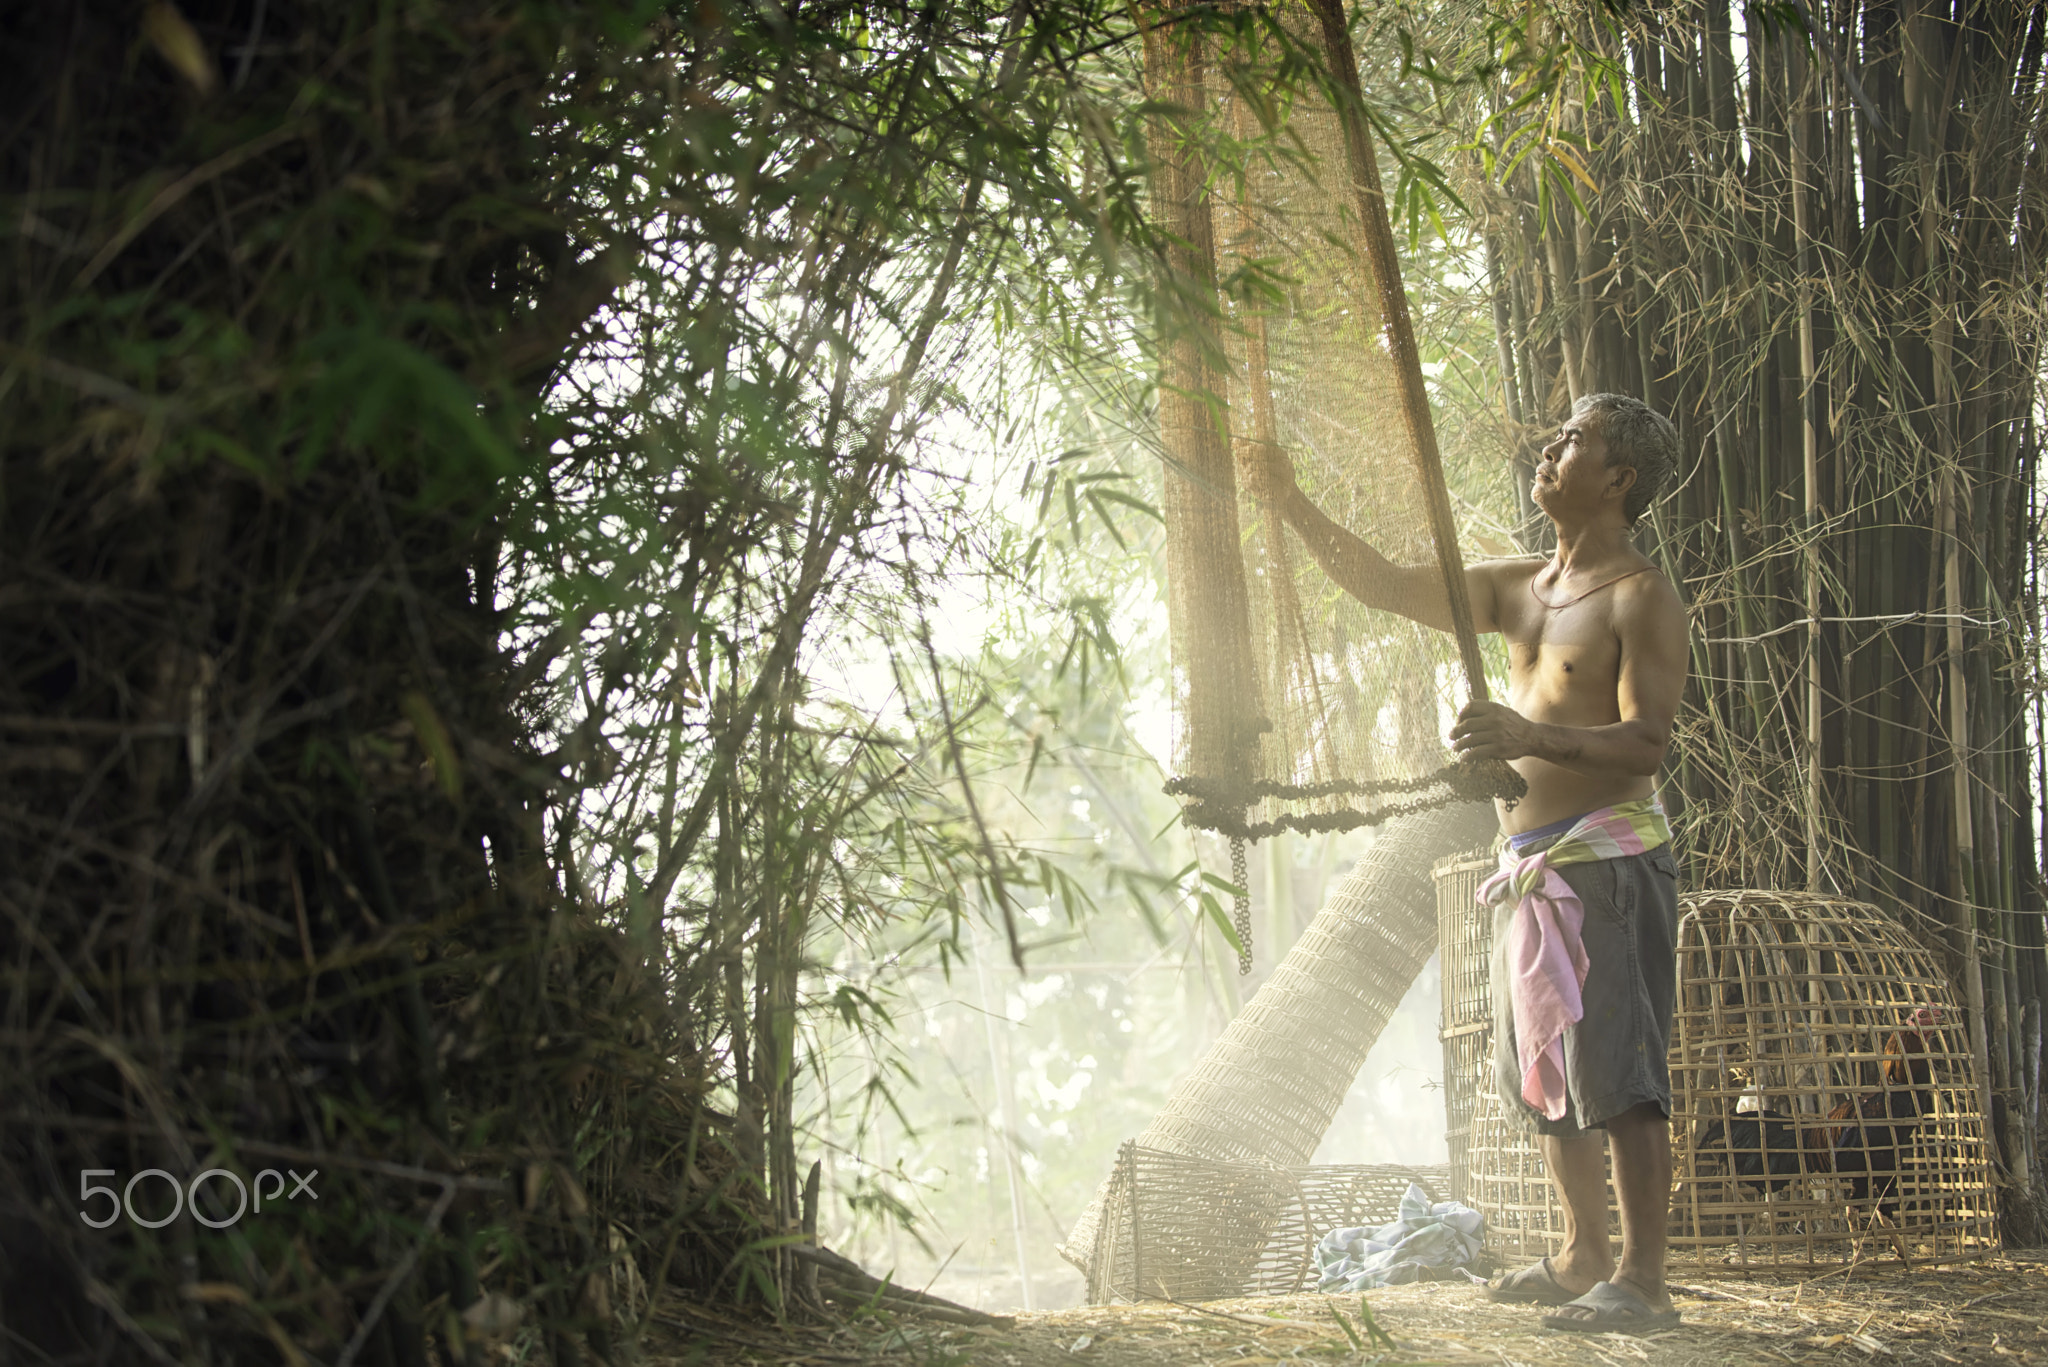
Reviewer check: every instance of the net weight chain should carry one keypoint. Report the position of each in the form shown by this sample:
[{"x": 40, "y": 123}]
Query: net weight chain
[{"x": 1241, "y": 905}]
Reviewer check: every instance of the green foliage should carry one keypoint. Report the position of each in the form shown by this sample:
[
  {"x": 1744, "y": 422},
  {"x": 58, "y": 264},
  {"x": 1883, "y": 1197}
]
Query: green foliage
[
  {"x": 1375, "y": 1339},
  {"x": 534, "y": 532}
]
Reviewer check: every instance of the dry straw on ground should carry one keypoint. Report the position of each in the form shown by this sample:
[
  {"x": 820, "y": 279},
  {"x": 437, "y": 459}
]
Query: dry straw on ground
[{"x": 1991, "y": 1311}]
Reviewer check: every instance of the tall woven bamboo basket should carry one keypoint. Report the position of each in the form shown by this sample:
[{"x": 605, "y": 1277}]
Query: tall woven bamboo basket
[
  {"x": 1465, "y": 1023},
  {"x": 1509, "y": 1184},
  {"x": 1825, "y": 1100}
]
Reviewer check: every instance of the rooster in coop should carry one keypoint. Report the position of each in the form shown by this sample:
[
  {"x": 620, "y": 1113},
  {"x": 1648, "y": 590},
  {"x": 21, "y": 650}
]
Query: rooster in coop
[
  {"x": 1757, "y": 1141},
  {"x": 1864, "y": 1134}
]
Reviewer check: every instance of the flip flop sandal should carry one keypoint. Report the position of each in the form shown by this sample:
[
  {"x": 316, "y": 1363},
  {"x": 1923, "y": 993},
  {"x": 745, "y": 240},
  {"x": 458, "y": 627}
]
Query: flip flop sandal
[
  {"x": 1532, "y": 1285},
  {"x": 1615, "y": 1310}
]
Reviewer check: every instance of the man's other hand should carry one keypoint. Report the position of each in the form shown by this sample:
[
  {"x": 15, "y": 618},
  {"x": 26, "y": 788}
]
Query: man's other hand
[{"x": 1490, "y": 730}]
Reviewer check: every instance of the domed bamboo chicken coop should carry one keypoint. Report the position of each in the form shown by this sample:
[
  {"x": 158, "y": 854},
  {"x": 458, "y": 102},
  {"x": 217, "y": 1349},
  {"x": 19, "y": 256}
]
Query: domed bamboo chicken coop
[
  {"x": 1825, "y": 1097},
  {"x": 1826, "y": 1092}
]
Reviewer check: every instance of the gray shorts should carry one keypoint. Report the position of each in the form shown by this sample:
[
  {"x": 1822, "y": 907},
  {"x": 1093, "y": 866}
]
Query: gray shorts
[{"x": 1614, "y": 1058}]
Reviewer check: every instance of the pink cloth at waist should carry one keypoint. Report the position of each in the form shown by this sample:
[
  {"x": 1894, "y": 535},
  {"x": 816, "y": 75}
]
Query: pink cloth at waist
[{"x": 1546, "y": 957}]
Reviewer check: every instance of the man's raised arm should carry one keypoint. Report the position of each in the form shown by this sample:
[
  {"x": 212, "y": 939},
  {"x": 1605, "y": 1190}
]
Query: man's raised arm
[{"x": 1414, "y": 591}]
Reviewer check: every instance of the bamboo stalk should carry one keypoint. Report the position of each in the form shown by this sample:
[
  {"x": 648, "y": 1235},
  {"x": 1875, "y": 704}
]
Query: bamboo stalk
[
  {"x": 1504, "y": 335},
  {"x": 1280, "y": 927},
  {"x": 1959, "y": 771},
  {"x": 1592, "y": 374},
  {"x": 1809, "y": 445},
  {"x": 1560, "y": 277},
  {"x": 1730, "y": 518}
]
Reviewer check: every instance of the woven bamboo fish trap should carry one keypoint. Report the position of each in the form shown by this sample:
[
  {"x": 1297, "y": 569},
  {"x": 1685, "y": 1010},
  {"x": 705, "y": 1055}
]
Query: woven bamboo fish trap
[
  {"x": 1263, "y": 1095},
  {"x": 1825, "y": 1099},
  {"x": 1196, "y": 1229},
  {"x": 1296, "y": 709}
]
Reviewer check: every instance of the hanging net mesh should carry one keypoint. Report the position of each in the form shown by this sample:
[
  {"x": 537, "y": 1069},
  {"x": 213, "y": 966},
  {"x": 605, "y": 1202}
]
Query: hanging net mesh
[{"x": 1299, "y": 706}]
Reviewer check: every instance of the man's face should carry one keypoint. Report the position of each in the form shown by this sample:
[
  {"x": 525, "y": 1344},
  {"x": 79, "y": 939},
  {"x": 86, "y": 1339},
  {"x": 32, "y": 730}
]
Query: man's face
[{"x": 1573, "y": 474}]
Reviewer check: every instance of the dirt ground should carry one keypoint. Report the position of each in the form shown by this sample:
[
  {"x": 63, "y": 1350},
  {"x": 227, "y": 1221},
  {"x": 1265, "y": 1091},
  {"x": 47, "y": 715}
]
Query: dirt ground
[{"x": 1990, "y": 1311}]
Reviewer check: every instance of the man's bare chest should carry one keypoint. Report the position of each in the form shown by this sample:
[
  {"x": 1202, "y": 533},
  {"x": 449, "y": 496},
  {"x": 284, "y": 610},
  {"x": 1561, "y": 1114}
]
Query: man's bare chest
[{"x": 1569, "y": 657}]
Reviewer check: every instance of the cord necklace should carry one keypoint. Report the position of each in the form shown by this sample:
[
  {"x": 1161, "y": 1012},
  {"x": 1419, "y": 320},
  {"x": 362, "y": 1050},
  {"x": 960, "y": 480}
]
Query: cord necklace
[{"x": 1554, "y": 607}]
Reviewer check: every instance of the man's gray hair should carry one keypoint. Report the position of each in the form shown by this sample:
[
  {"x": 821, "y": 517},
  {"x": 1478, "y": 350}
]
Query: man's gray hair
[{"x": 1639, "y": 437}]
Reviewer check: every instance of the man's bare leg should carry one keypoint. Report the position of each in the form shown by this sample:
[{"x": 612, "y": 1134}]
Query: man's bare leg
[
  {"x": 1641, "y": 1137},
  {"x": 1578, "y": 1168}
]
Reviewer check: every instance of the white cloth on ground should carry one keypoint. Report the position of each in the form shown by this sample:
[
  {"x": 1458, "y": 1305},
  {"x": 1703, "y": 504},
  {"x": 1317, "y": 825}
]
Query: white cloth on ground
[{"x": 1425, "y": 1236}]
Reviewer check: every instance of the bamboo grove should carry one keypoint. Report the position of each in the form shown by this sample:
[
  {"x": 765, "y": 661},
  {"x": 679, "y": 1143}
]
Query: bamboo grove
[
  {"x": 442, "y": 445},
  {"x": 438, "y": 439},
  {"x": 1824, "y": 258}
]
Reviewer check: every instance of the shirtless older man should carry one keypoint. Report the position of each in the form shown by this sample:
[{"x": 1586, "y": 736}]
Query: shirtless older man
[{"x": 1585, "y": 908}]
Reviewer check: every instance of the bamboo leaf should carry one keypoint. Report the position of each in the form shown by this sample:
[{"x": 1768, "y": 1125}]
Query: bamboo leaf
[
  {"x": 433, "y": 738},
  {"x": 1108, "y": 522},
  {"x": 1218, "y": 881},
  {"x": 1561, "y": 153},
  {"x": 1131, "y": 501},
  {"x": 175, "y": 40},
  {"x": 1213, "y": 909}
]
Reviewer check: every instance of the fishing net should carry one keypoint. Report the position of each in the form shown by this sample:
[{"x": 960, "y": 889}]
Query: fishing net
[{"x": 1299, "y": 707}]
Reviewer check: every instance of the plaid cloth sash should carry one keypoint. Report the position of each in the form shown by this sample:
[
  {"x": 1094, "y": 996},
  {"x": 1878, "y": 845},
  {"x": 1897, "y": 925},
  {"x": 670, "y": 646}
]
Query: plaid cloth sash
[{"x": 1546, "y": 957}]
